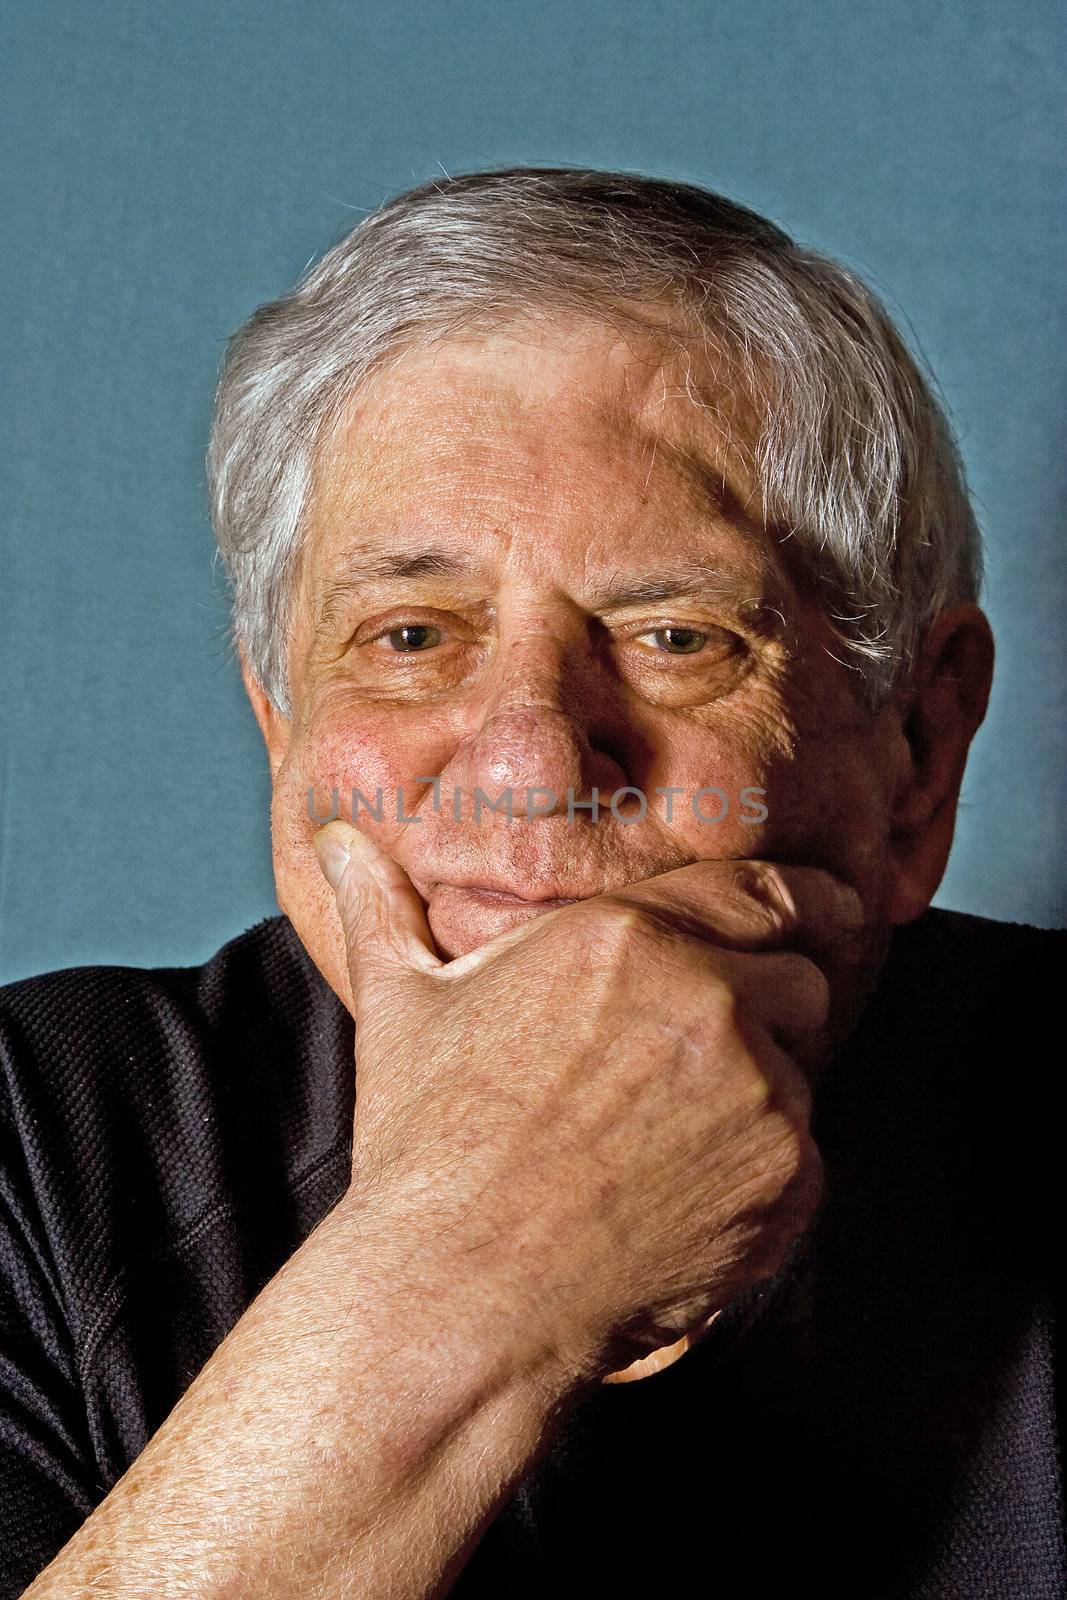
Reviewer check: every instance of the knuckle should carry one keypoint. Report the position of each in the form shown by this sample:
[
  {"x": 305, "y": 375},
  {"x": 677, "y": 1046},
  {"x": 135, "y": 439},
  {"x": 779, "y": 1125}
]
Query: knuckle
[
  {"x": 808, "y": 1182},
  {"x": 620, "y": 924},
  {"x": 803, "y": 1156},
  {"x": 796, "y": 1212},
  {"x": 720, "y": 1001},
  {"x": 795, "y": 1172},
  {"x": 769, "y": 887},
  {"x": 797, "y": 1096},
  {"x": 811, "y": 987},
  {"x": 757, "y": 1096},
  {"x": 800, "y": 989}
]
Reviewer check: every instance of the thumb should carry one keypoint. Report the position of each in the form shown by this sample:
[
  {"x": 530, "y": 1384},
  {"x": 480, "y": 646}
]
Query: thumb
[{"x": 381, "y": 912}]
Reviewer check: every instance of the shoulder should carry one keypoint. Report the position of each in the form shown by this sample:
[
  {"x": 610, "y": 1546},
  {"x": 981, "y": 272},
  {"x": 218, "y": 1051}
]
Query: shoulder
[
  {"x": 941, "y": 933},
  {"x": 958, "y": 1056},
  {"x": 83, "y": 1041},
  {"x": 105, "y": 1025},
  {"x": 86, "y": 1005},
  {"x": 135, "y": 1103},
  {"x": 949, "y": 969},
  {"x": 959, "y": 990}
]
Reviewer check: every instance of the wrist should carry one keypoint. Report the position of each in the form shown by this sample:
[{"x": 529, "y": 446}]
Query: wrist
[{"x": 454, "y": 1303}]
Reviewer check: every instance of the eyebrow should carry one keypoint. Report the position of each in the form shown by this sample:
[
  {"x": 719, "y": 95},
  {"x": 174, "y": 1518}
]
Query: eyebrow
[
  {"x": 366, "y": 563},
  {"x": 697, "y": 580},
  {"x": 686, "y": 578}
]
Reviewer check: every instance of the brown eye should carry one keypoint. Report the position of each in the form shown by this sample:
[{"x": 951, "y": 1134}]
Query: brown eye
[
  {"x": 679, "y": 641},
  {"x": 414, "y": 636}
]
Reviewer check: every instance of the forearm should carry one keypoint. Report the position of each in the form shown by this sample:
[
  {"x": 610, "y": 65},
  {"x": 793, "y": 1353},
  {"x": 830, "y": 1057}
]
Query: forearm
[{"x": 354, "y": 1434}]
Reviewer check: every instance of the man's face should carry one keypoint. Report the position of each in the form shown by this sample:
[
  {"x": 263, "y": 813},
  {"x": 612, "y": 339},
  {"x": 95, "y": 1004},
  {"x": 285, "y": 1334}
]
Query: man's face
[{"x": 534, "y": 560}]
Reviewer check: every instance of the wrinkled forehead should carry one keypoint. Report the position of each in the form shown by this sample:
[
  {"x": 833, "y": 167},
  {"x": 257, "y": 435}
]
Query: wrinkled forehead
[
  {"x": 539, "y": 428},
  {"x": 638, "y": 382}
]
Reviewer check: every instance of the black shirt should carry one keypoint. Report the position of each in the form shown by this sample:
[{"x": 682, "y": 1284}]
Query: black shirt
[{"x": 878, "y": 1420}]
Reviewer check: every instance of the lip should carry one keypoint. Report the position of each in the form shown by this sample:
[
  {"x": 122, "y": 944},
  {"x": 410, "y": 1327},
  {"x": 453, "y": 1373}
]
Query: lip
[{"x": 492, "y": 895}]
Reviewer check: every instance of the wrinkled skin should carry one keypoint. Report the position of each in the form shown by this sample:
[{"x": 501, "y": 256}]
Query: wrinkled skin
[
  {"x": 560, "y": 462},
  {"x": 545, "y": 466}
]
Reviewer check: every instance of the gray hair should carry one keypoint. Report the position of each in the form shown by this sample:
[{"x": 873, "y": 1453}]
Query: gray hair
[{"x": 855, "y": 460}]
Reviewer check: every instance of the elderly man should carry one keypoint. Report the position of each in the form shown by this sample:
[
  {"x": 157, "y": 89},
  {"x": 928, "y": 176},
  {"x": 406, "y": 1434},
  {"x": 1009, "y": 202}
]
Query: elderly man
[{"x": 608, "y": 1172}]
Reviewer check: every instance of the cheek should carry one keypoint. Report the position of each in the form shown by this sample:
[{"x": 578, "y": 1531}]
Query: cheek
[
  {"x": 352, "y": 768},
  {"x": 830, "y": 807},
  {"x": 724, "y": 774},
  {"x": 344, "y": 752},
  {"x": 720, "y": 811},
  {"x": 824, "y": 794},
  {"x": 360, "y": 765}
]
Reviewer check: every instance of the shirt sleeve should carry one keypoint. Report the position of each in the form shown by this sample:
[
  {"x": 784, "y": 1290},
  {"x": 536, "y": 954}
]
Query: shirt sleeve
[{"x": 48, "y": 1479}]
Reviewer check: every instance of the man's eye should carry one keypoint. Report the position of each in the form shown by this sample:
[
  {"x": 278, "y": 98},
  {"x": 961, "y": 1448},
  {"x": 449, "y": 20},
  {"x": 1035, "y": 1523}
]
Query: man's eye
[
  {"x": 678, "y": 641},
  {"x": 412, "y": 637}
]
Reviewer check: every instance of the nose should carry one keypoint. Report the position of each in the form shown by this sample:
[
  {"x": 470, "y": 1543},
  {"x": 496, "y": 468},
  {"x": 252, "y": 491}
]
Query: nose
[{"x": 540, "y": 729}]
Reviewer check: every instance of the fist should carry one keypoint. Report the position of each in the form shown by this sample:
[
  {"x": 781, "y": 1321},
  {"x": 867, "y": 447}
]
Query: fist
[{"x": 599, "y": 1119}]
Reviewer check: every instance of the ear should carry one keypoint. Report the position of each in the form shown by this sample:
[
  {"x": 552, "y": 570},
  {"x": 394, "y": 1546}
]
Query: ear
[
  {"x": 940, "y": 712},
  {"x": 272, "y": 725}
]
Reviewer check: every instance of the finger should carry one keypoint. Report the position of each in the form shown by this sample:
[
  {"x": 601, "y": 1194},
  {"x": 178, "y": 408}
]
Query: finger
[
  {"x": 786, "y": 993},
  {"x": 752, "y": 904},
  {"x": 382, "y": 914}
]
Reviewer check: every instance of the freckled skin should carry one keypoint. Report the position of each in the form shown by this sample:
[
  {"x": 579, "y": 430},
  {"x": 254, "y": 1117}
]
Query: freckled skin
[{"x": 555, "y": 459}]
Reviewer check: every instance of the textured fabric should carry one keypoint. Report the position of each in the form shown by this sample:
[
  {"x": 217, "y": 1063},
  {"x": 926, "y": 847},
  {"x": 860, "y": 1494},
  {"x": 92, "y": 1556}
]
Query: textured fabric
[{"x": 878, "y": 1419}]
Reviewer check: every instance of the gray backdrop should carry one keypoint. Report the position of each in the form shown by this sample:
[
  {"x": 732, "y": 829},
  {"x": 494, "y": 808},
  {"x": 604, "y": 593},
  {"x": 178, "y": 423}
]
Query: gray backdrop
[{"x": 169, "y": 168}]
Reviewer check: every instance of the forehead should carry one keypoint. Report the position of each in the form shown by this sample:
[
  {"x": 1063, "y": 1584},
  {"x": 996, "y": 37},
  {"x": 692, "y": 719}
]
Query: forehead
[{"x": 561, "y": 432}]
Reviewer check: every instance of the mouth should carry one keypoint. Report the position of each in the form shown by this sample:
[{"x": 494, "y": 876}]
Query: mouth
[{"x": 490, "y": 895}]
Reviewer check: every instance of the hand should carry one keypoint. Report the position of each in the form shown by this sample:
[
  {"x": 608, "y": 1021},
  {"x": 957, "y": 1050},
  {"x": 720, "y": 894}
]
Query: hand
[{"x": 599, "y": 1113}]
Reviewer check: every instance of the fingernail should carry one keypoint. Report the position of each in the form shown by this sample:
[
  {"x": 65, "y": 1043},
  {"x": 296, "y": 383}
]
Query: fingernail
[{"x": 332, "y": 854}]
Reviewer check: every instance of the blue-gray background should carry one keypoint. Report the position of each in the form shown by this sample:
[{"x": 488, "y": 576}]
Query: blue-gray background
[{"x": 169, "y": 168}]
